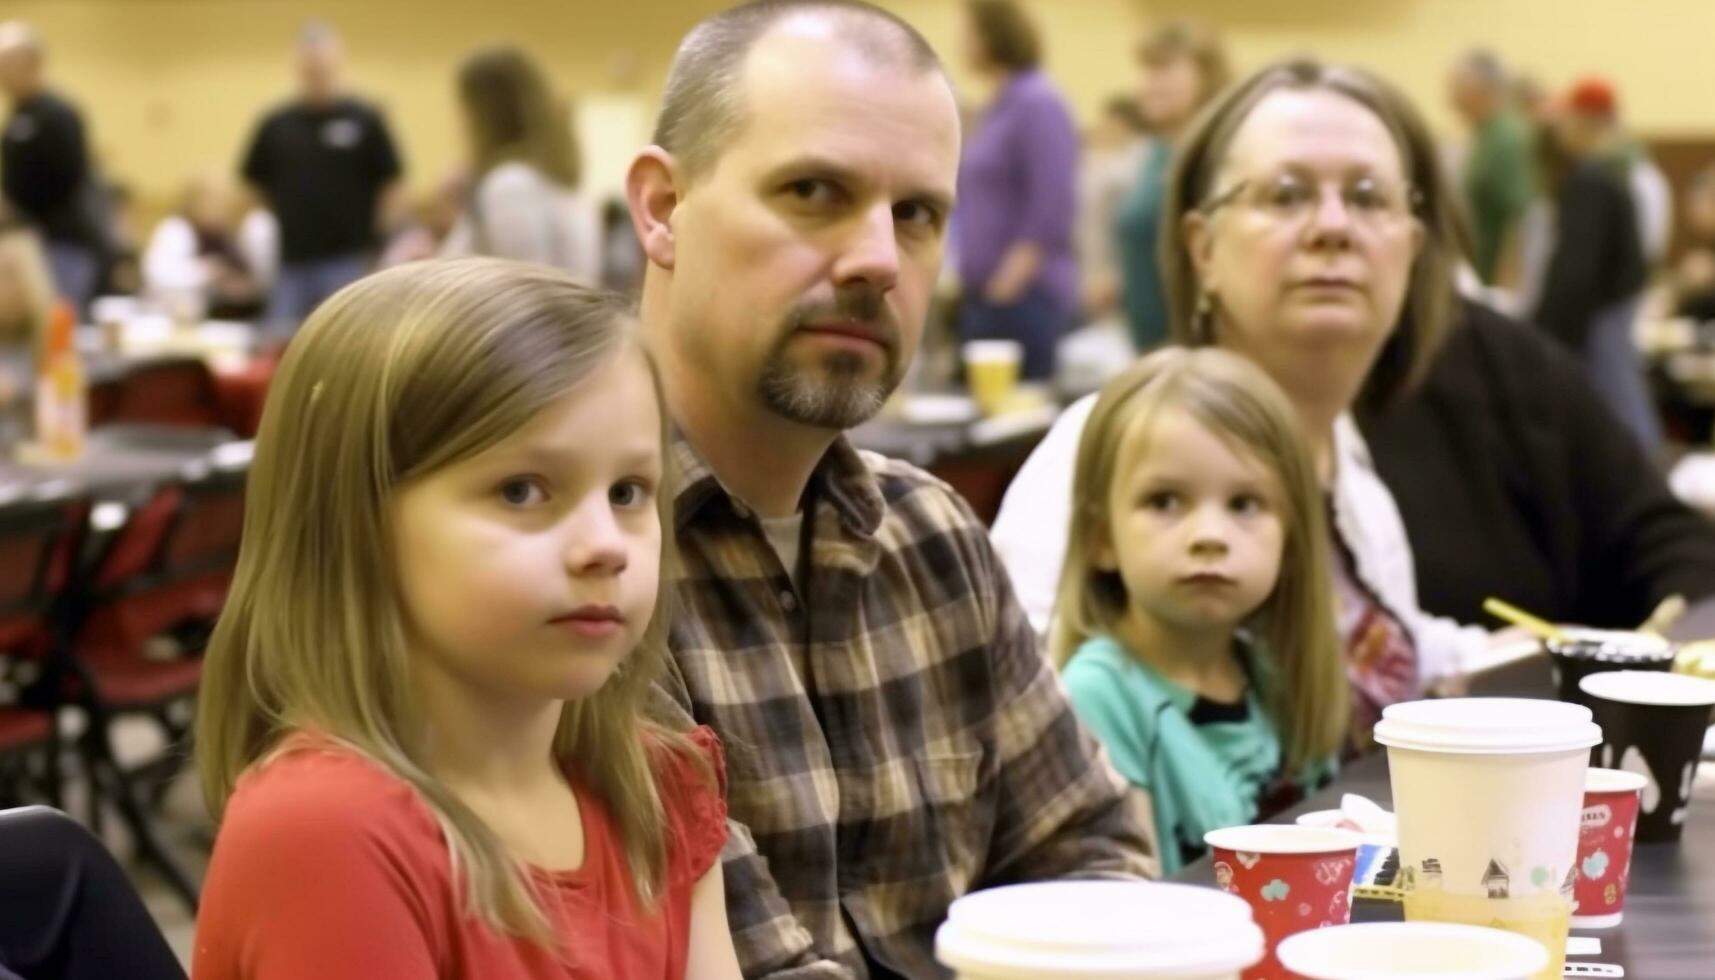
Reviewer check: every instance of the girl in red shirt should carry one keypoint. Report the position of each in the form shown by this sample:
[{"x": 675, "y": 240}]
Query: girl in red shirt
[{"x": 421, "y": 726}]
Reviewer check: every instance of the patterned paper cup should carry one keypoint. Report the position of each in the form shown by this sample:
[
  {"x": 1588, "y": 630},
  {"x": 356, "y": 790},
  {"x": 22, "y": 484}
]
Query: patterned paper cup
[
  {"x": 1605, "y": 846},
  {"x": 1653, "y": 725},
  {"x": 1295, "y": 878}
]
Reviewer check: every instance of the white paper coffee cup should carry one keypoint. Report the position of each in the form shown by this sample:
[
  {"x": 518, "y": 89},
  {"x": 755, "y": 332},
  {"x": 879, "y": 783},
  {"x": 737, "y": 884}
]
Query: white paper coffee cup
[
  {"x": 1412, "y": 951},
  {"x": 1098, "y": 930},
  {"x": 1489, "y": 793}
]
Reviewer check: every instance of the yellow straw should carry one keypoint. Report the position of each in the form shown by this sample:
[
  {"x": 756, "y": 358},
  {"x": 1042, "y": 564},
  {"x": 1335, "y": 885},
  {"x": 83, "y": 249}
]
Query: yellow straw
[{"x": 1518, "y": 617}]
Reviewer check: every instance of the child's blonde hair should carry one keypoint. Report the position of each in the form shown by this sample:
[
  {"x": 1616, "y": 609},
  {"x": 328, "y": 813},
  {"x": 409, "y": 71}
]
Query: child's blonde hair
[
  {"x": 1236, "y": 401},
  {"x": 395, "y": 377}
]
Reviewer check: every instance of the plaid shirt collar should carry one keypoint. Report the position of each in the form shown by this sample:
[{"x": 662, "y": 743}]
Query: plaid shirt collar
[{"x": 842, "y": 478}]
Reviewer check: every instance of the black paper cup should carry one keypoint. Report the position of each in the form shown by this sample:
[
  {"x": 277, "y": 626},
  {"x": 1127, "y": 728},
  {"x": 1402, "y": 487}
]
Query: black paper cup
[
  {"x": 1587, "y": 651},
  {"x": 1653, "y": 725}
]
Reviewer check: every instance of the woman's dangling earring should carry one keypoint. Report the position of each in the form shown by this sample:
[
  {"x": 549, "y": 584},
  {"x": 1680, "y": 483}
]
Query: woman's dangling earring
[{"x": 1203, "y": 320}]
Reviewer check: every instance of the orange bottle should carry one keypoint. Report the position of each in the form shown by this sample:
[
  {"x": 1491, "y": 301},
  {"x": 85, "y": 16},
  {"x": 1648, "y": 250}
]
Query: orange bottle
[{"x": 61, "y": 419}]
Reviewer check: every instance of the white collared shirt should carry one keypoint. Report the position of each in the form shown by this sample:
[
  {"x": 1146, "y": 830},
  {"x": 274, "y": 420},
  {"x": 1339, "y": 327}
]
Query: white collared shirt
[{"x": 1030, "y": 536}]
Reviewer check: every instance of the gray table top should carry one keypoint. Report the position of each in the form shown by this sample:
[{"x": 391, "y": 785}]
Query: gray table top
[
  {"x": 1669, "y": 927},
  {"x": 923, "y": 443},
  {"x": 120, "y": 462}
]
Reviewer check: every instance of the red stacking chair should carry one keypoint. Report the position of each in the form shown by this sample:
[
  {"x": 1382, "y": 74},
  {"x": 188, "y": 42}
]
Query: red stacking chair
[
  {"x": 164, "y": 574},
  {"x": 40, "y": 533},
  {"x": 176, "y": 391}
]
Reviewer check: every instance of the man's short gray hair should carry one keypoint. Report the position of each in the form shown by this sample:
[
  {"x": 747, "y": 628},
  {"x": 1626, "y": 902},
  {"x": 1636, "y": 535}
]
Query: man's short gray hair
[
  {"x": 1485, "y": 67},
  {"x": 317, "y": 33},
  {"x": 19, "y": 36},
  {"x": 701, "y": 106}
]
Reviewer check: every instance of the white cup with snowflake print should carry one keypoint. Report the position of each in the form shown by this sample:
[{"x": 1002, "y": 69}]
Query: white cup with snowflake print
[
  {"x": 1081, "y": 930},
  {"x": 1653, "y": 725},
  {"x": 1488, "y": 793},
  {"x": 1412, "y": 951}
]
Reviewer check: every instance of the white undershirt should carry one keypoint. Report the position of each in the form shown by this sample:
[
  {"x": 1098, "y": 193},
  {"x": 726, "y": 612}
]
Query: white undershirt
[{"x": 786, "y": 535}]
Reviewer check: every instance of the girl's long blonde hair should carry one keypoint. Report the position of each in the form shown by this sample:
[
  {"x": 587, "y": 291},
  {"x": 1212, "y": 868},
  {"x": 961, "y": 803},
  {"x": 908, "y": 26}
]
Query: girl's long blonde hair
[
  {"x": 395, "y": 377},
  {"x": 1237, "y": 401}
]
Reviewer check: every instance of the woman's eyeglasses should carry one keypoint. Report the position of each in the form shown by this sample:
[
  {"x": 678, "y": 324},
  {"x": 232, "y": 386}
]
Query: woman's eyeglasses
[{"x": 1289, "y": 199}]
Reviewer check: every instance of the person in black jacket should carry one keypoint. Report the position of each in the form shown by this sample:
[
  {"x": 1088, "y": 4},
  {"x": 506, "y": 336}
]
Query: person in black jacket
[
  {"x": 44, "y": 165},
  {"x": 1596, "y": 272},
  {"x": 325, "y": 163},
  {"x": 1515, "y": 480}
]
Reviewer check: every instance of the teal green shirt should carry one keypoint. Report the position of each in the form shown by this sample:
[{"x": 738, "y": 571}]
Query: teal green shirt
[
  {"x": 1137, "y": 233},
  {"x": 1499, "y": 183},
  {"x": 1204, "y": 765}
]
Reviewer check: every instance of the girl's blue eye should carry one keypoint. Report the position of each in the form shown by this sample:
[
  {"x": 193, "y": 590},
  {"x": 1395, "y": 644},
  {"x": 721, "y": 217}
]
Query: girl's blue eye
[
  {"x": 1246, "y": 504},
  {"x": 1161, "y": 500},
  {"x": 521, "y": 492}
]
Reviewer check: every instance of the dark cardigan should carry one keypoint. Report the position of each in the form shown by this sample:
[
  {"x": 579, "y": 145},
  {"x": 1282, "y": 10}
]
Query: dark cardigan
[{"x": 1515, "y": 481}]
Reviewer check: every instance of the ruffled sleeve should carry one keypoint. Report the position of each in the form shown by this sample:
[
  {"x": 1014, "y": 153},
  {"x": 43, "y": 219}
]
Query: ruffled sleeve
[{"x": 695, "y": 801}]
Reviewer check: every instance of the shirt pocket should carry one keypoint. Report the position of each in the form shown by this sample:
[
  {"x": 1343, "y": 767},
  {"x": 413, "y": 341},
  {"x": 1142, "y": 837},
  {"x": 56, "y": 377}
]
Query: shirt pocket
[{"x": 914, "y": 837}]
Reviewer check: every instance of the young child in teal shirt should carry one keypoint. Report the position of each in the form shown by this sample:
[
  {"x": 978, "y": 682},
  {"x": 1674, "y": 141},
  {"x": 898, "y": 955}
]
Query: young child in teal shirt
[{"x": 1195, "y": 618}]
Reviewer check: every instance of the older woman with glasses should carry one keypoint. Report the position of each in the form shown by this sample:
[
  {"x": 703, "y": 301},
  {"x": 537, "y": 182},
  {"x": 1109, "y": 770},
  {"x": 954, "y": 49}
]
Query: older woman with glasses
[{"x": 1308, "y": 228}]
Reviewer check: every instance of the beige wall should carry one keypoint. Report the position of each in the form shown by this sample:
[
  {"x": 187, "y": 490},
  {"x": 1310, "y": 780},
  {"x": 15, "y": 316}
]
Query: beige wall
[{"x": 174, "y": 85}]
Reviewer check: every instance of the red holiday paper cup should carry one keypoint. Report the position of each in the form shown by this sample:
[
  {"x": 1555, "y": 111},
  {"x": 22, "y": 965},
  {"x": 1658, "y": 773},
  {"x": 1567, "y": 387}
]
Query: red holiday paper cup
[
  {"x": 1605, "y": 846},
  {"x": 1295, "y": 878}
]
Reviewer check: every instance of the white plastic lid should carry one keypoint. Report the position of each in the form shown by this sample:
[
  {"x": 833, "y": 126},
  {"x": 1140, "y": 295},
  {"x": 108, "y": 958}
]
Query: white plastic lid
[
  {"x": 1652, "y": 687},
  {"x": 1488, "y": 726},
  {"x": 1613, "y": 781},
  {"x": 993, "y": 350},
  {"x": 1415, "y": 950},
  {"x": 1283, "y": 839},
  {"x": 1089, "y": 930}
]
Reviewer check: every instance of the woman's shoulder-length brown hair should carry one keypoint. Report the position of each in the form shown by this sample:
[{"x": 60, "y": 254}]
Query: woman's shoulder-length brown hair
[
  {"x": 514, "y": 114},
  {"x": 1430, "y": 300}
]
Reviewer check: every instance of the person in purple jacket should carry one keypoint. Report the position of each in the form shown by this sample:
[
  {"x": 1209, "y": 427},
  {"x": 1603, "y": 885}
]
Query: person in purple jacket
[{"x": 1017, "y": 194}]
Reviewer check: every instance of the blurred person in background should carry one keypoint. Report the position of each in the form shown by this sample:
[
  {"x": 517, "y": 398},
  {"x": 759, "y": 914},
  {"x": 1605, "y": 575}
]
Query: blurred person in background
[
  {"x": 26, "y": 303},
  {"x": 622, "y": 258},
  {"x": 45, "y": 167},
  {"x": 326, "y": 166},
  {"x": 430, "y": 223},
  {"x": 524, "y": 203},
  {"x": 1499, "y": 174},
  {"x": 121, "y": 270},
  {"x": 1183, "y": 65},
  {"x": 1113, "y": 148},
  {"x": 1530, "y": 98},
  {"x": 1694, "y": 277},
  {"x": 1591, "y": 114},
  {"x": 1596, "y": 269},
  {"x": 200, "y": 251},
  {"x": 1013, "y": 228}
]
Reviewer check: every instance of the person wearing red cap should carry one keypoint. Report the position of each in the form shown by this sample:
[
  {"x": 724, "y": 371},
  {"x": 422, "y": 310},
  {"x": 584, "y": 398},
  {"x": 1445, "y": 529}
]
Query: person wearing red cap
[
  {"x": 1597, "y": 269},
  {"x": 1589, "y": 118}
]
